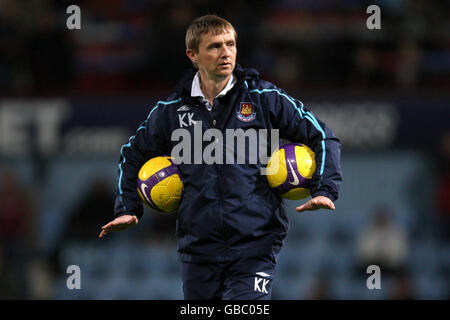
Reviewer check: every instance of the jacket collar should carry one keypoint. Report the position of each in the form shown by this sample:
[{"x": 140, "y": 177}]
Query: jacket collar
[{"x": 196, "y": 90}]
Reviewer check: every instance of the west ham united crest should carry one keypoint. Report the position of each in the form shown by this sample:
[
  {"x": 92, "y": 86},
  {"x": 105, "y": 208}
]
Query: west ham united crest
[{"x": 246, "y": 112}]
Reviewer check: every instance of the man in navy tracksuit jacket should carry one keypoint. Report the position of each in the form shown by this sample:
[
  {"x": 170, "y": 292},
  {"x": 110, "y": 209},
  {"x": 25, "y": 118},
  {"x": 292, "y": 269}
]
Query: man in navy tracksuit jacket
[{"x": 231, "y": 224}]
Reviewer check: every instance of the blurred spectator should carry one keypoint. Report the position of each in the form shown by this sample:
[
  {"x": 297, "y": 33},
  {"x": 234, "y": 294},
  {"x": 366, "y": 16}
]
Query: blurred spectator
[
  {"x": 48, "y": 53},
  {"x": 382, "y": 243},
  {"x": 319, "y": 288},
  {"x": 14, "y": 74},
  {"x": 402, "y": 288},
  {"x": 85, "y": 220},
  {"x": 92, "y": 212},
  {"x": 408, "y": 65},
  {"x": 17, "y": 228},
  {"x": 40, "y": 278},
  {"x": 286, "y": 69},
  {"x": 367, "y": 68},
  {"x": 443, "y": 188},
  {"x": 131, "y": 45},
  {"x": 35, "y": 55}
]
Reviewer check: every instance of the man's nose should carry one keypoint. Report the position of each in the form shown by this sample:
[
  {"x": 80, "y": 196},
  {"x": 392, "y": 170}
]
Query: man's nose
[{"x": 226, "y": 52}]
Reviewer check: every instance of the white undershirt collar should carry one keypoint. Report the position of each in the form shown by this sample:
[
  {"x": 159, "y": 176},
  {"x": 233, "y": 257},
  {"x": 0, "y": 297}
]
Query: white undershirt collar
[{"x": 196, "y": 90}]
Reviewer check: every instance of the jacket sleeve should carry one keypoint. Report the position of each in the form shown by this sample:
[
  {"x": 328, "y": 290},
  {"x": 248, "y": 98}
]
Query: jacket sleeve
[
  {"x": 298, "y": 124},
  {"x": 146, "y": 143}
]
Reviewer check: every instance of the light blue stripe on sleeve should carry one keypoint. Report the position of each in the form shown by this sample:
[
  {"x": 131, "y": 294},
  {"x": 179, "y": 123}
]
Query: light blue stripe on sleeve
[
  {"x": 308, "y": 115},
  {"x": 128, "y": 145}
]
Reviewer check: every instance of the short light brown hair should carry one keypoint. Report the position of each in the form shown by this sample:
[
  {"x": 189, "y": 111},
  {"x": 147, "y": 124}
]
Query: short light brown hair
[{"x": 204, "y": 25}]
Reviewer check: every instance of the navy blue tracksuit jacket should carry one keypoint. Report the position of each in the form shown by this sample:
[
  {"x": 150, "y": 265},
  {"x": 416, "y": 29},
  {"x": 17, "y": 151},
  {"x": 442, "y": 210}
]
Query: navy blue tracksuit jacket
[{"x": 228, "y": 210}]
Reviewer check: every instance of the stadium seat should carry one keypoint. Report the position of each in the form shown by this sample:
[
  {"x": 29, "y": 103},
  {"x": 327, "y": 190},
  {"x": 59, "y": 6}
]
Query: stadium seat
[
  {"x": 423, "y": 258},
  {"x": 430, "y": 287}
]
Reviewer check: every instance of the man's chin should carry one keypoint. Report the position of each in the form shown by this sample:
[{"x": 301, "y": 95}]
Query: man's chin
[{"x": 225, "y": 72}]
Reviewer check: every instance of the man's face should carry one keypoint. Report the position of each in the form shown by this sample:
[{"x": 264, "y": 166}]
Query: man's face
[{"x": 216, "y": 56}]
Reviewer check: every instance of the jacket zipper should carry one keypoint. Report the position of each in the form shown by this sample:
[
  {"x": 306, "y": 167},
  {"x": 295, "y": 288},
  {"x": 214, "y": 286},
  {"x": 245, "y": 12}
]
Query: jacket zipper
[
  {"x": 216, "y": 166},
  {"x": 219, "y": 194}
]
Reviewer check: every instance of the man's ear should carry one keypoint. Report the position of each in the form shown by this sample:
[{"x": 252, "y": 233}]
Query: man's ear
[{"x": 192, "y": 55}]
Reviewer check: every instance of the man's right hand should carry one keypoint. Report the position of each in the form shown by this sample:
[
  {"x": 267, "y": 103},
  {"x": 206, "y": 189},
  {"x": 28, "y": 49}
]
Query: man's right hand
[{"x": 119, "y": 224}]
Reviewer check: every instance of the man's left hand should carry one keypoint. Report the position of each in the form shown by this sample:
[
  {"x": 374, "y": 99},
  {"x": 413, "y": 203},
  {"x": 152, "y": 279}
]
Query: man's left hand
[{"x": 319, "y": 202}]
